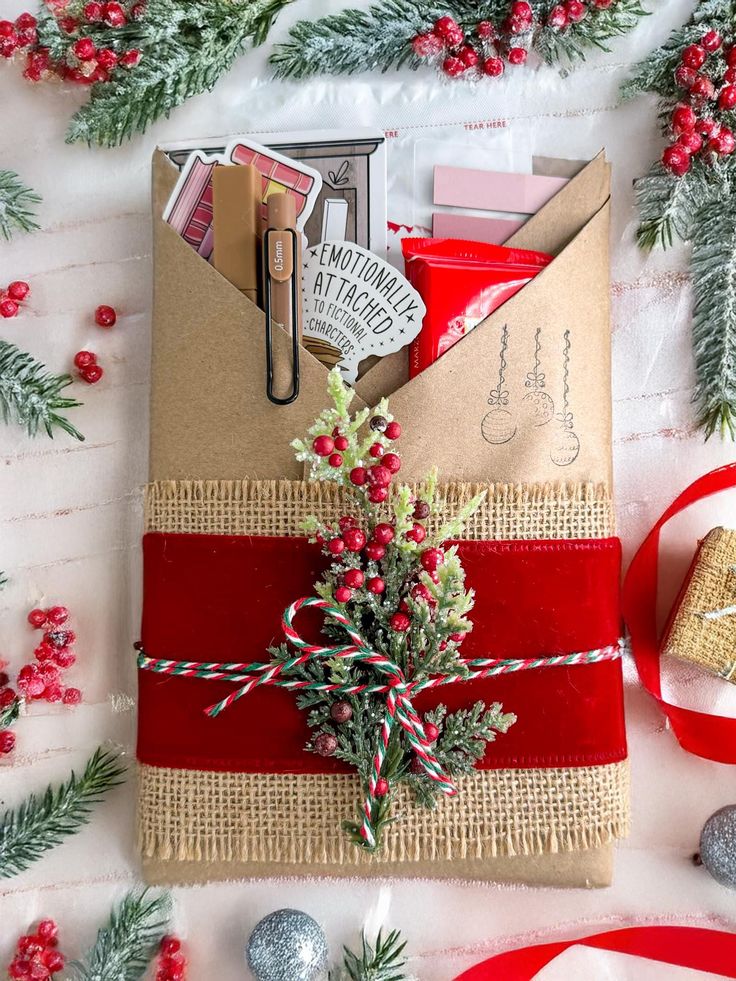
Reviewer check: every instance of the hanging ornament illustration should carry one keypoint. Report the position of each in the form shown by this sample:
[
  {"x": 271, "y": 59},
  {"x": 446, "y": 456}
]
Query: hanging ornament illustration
[
  {"x": 566, "y": 444},
  {"x": 498, "y": 425},
  {"x": 537, "y": 405}
]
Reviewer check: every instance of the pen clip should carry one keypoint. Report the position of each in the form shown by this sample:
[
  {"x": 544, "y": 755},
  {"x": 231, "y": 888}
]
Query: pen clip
[{"x": 293, "y": 395}]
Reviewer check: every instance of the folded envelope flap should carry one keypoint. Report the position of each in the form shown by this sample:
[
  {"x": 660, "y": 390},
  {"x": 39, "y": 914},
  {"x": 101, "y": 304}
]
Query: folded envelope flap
[{"x": 210, "y": 416}]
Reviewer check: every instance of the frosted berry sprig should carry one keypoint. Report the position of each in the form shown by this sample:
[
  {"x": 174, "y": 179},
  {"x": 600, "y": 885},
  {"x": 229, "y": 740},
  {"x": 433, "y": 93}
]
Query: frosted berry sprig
[
  {"x": 91, "y": 49},
  {"x": 12, "y": 297},
  {"x": 37, "y": 955},
  {"x": 171, "y": 965},
  {"x": 485, "y": 48},
  {"x": 701, "y": 124}
]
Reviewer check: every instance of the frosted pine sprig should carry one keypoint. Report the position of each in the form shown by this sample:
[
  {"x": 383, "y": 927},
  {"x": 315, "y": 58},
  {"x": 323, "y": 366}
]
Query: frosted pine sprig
[{"x": 16, "y": 205}]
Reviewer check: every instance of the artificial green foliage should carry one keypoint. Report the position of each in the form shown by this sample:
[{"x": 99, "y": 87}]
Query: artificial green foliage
[
  {"x": 31, "y": 396},
  {"x": 382, "y": 962},
  {"x": 126, "y": 945},
  {"x": 379, "y": 38},
  {"x": 28, "y": 831},
  {"x": 186, "y": 46},
  {"x": 16, "y": 205},
  {"x": 697, "y": 208},
  {"x": 430, "y": 648}
]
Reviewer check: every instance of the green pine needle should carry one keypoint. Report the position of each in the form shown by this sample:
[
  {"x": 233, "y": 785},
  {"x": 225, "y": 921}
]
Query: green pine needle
[
  {"x": 31, "y": 396},
  {"x": 16, "y": 205},
  {"x": 186, "y": 46},
  {"x": 126, "y": 945},
  {"x": 380, "y": 963},
  {"x": 41, "y": 823},
  {"x": 9, "y": 714}
]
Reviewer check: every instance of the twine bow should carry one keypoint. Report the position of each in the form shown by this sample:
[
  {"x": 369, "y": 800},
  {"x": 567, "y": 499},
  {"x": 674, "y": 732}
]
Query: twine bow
[{"x": 398, "y": 689}]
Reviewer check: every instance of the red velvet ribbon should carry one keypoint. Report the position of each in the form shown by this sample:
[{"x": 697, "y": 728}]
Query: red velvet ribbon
[
  {"x": 710, "y": 736},
  {"x": 694, "y": 947}
]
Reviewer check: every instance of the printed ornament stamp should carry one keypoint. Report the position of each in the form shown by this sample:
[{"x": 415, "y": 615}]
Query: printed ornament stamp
[
  {"x": 537, "y": 405},
  {"x": 355, "y": 305},
  {"x": 566, "y": 444},
  {"x": 498, "y": 425}
]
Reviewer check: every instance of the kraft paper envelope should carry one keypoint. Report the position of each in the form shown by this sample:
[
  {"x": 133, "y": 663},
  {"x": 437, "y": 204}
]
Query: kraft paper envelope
[{"x": 523, "y": 398}]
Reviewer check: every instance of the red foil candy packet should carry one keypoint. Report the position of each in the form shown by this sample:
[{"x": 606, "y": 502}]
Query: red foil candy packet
[{"x": 461, "y": 283}]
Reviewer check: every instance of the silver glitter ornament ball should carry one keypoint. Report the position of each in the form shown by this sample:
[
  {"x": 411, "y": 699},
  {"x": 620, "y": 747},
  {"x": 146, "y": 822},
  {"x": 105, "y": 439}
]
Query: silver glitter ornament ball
[
  {"x": 287, "y": 946},
  {"x": 718, "y": 846}
]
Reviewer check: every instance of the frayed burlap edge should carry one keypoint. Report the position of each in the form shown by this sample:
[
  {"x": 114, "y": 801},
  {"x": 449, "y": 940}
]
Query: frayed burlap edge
[
  {"x": 271, "y": 507},
  {"x": 709, "y": 643},
  {"x": 294, "y": 819}
]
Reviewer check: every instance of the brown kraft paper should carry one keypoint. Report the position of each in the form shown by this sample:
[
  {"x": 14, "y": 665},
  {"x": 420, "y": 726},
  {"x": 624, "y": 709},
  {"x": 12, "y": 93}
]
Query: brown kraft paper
[{"x": 210, "y": 420}]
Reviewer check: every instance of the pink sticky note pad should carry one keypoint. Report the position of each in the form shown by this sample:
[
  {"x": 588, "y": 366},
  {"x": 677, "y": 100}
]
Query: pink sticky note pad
[
  {"x": 490, "y": 190},
  {"x": 495, "y": 231}
]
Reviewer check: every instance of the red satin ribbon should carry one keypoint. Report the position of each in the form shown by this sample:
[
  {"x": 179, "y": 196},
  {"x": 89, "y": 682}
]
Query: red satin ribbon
[
  {"x": 710, "y": 736},
  {"x": 694, "y": 947}
]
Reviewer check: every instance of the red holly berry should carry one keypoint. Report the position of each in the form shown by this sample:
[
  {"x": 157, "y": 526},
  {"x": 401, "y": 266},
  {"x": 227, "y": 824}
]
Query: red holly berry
[
  {"x": 26, "y": 22},
  {"x": 341, "y": 443},
  {"x": 130, "y": 58},
  {"x": 383, "y": 533},
  {"x": 517, "y": 56},
  {"x": 4, "y": 679},
  {"x": 107, "y": 59},
  {"x": 114, "y": 15},
  {"x": 727, "y": 97},
  {"x": 169, "y": 946},
  {"x": 392, "y": 462},
  {"x": 706, "y": 126},
  {"x": 58, "y": 615},
  {"x": 711, "y": 41},
  {"x": 8, "y": 308},
  {"x": 676, "y": 159},
  {"x": 18, "y": 290},
  {"x": 83, "y": 359},
  {"x": 325, "y": 743},
  {"x": 336, "y": 546},
  {"x": 400, "y": 622},
  {"x": 693, "y": 56},
  {"x": 323, "y": 445},
  {"x": 346, "y": 521},
  {"x": 445, "y": 26},
  {"x": 685, "y": 76},
  {"x": 335, "y": 460},
  {"x": 417, "y": 533},
  {"x": 522, "y": 10},
  {"x": 353, "y": 578},
  {"x": 381, "y": 787},
  {"x": 64, "y": 658},
  {"x": 730, "y": 76},
  {"x": 53, "y": 960},
  {"x": 377, "y": 495},
  {"x": 355, "y": 539},
  {"x": 72, "y": 696},
  {"x": 374, "y": 551},
  {"x": 7, "y": 741},
  {"x": 53, "y": 692},
  {"x": 7, "y": 697},
  {"x": 379, "y": 476},
  {"x": 486, "y": 32},
  {"x": 68, "y": 24},
  {"x": 341, "y": 712},
  {"x": 421, "y": 592},
  {"x": 37, "y": 618},
  {"x": 723, "y": 143},
  {"x": 343, "y": 594},
  {"x": 376, "y": 450},
  {"x": 575, "y": 10},
  {"x": 376, "y": 585},
  {"x": 602, "y": 4},
  {"x": 692, "y": 142},
  {"x": 468, "y": 56},
  {"x": 427, "y": 45},
  {"x": 557, "y": 17},
  {"x": 7, "y": 28},
  {"x": 44, "y": 652},
  {"x": 92, "y": 12},
  {"x": 358, "y": 476},
  {"x": 493, "y": 67},
  {"x": 683, "y": 118},
  {"x": 84, "y": 49},
  {"x": 91, "y": 374},
  {"x": 138, "y": 10},
  {"x": 393, "y": 431},
  {"x": 47, "y": 930},
  {"x": 702, "y": 89},
  {"x": 431, "y": 731},
  {"x": 105, "y": 316},
  {"x": 453, "y": 66},
  {"x": 19, "y": 969},
  {"x": 432, "y": 559}
]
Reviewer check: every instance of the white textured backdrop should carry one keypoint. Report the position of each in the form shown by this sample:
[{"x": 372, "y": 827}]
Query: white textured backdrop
[{"x": 70, "y": 518}]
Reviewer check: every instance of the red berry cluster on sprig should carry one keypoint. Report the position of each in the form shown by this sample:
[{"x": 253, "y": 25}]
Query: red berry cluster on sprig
[
  {"x": 95, "y": 47},
  {"x": 171, "y": 965},
  {"x": 701, "y": 124},
  {"x": 485, "y": 48},
  {"x": 42, "y": 678},
  {"x": 12, "y": 297},
  {"x": 37, "y": 955}
]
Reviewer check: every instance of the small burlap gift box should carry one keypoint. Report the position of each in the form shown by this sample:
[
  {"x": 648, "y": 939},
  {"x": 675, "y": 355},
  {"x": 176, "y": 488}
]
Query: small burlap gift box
[{"x": 702, "y": 627}]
